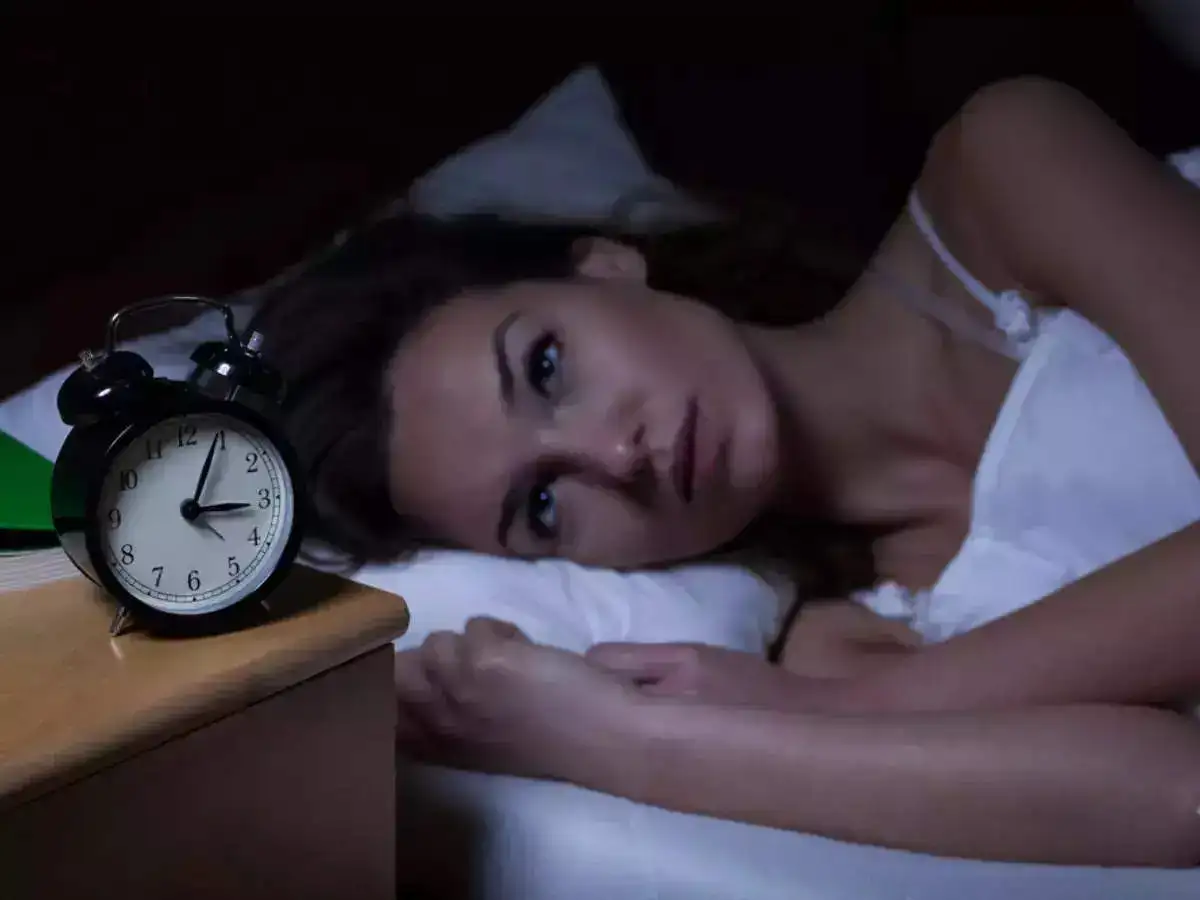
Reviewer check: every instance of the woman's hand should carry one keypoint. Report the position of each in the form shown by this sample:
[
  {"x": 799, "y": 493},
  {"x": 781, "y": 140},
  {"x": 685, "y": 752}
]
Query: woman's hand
[
  {"x": 714, "y": 675},
  {"x": 491, "y": 699}
]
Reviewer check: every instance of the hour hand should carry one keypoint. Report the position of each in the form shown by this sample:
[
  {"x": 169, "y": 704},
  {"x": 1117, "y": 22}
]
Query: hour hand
[{"x": 221, "y": 507}]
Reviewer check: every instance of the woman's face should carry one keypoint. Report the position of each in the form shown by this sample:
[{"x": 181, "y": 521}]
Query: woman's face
[{"x": 593, "y": 419}]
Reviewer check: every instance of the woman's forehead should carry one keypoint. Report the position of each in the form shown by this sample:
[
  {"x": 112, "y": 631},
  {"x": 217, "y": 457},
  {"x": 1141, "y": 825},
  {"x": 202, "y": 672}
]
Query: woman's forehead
[
  {"x": 454, "y": 488},
  {"x": 452, "y": 330},
  {"x": 449, "y": 434},
  {"x": 453, "y": 351},
  {"x": 444, "y": 379}
]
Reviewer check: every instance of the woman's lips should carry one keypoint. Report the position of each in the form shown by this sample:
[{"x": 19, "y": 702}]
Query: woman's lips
[{"x": 683, "y": 466}]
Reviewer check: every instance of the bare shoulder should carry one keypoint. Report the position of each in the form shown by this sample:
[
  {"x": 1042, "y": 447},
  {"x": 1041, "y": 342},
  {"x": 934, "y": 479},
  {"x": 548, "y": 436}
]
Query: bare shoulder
[
  {"x": 1053, "y": 184},
  {"x": 1028, "y": 101},
  {"x": 1078, "y": 212},
  {"x": 1006, "y": 127},
  {"x": 981, "y": 171}
]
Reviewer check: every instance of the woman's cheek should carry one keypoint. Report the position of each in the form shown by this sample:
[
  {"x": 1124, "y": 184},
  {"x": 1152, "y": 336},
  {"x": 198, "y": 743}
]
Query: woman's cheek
[
  {"x": 601, "y": 528},
  {"x": 626, "y": 537}
]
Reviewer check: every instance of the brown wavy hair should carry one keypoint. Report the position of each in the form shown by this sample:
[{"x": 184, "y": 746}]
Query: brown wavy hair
[{"x": 333, "y": 330}]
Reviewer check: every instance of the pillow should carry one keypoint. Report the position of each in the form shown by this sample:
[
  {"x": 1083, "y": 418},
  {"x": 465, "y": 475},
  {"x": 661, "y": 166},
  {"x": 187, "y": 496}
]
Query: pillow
[
  {"x": 1187, "y": 163},
  {"x": 32, "y": 415},
  {"x": 568, "y": 158}
]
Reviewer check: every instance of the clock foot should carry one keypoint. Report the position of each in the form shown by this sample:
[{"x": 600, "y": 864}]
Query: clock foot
[{"x": 121, "y": 622}]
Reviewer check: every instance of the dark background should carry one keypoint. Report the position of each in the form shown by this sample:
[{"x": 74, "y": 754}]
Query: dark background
[{"x": 204, "y": 153}]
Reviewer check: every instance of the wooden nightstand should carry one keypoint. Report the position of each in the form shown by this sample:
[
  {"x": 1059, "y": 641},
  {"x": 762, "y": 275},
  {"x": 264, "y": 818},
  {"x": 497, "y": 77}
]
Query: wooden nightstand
[{"x": 255, "y": 764}]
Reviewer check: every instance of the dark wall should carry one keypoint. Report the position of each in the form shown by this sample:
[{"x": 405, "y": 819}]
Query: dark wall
[
  {"x": 841, "y": 130},
  {"x": 122, "y": 140},
  {"x": 203, "y": 154}
]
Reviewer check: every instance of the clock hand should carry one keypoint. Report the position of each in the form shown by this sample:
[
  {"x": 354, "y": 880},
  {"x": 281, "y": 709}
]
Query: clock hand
[
  {"x": 212, "y": 448},
  {"x": 204, "y": 523},
  {"x": 221, "y": 507}
]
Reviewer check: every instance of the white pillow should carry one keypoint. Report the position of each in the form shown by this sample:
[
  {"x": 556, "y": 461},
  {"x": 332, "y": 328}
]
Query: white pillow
[
  {"x": 32, "y": 415},
  {"x": 567, "y": 158},
  {"x": 1187, "y": 163}
]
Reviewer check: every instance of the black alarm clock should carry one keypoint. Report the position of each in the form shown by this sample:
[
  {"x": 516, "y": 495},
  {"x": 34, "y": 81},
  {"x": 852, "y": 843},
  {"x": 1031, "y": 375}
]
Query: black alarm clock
[{"x": 183, "y": 500}]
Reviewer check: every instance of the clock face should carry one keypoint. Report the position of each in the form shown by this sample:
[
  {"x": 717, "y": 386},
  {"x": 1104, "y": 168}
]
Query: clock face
[{"x": 195, "y": 513}]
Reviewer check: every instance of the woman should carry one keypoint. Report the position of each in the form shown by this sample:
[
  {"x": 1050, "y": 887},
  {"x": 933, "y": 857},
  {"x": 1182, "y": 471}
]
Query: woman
[{"x": 533, "y": 396}]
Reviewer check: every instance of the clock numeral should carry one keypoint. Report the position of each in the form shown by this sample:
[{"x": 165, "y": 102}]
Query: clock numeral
[
  {"x": 114, "y": 518},
  {"x": 221, "y": 439},
  {"x": 194, "y": 580},
  {"x": 129, "y": 479},
  {"x": 158, "y": 573},
  {"x": 127, "y": 554},
  {"x": 252, "y": 462},
  {"x": 154, "y": 449},
  {"x": 187, "y": 435},
  {"x": 234, "y": 568},
  {"x": 264, "y": 498},
  {"x": 254, "y": 538}
]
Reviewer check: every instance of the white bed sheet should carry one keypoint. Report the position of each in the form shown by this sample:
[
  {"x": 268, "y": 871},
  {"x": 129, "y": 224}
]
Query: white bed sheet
[{"x": 544, "y": 841}]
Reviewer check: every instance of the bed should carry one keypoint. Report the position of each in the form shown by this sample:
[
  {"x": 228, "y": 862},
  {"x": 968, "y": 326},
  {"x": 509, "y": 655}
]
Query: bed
[{"x": 464, "y": 834}]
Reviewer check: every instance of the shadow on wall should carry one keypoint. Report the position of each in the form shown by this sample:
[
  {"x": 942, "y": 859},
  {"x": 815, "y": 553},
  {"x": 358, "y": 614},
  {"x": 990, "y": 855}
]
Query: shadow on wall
[{"x": 1177, "y": 22}]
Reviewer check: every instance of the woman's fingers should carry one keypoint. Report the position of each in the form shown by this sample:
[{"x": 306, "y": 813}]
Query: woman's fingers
[
  {"x": 441, "y": 660},
  {"x": 480, "y": 628},
  {"x": 642, "y": 663},
  {"x": 412, "y": 684},
  {"x": 415, "y": 701}
]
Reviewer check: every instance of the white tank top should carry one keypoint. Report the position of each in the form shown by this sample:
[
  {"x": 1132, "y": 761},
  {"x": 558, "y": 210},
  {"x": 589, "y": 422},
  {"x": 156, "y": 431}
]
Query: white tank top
[{"x": 1081, "y": 468}]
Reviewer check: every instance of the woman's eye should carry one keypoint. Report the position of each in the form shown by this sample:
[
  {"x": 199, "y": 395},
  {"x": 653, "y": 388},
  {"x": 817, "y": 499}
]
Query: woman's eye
[
  {"x": 542, "y": 512},
  {"x": 542, "y": 364}
]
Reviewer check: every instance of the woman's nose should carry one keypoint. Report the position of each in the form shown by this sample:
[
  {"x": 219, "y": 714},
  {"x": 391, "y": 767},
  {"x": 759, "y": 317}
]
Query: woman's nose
[
  {"x": 621, "y": 454},
  {"x": 616, "y": 449}
]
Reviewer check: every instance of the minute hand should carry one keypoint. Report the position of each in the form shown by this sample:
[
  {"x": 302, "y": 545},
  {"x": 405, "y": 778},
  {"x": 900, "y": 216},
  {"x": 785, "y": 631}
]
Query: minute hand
[
  {"x": 222, "y": 507},
  {"x": 212, "y": 448}
]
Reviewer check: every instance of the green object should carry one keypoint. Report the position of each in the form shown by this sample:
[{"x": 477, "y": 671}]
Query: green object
[{"x": 25, "y": 519}]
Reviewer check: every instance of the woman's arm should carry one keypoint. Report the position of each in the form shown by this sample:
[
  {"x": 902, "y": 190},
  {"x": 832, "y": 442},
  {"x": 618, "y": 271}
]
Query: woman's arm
[
  {"x": 1128, "y": 633},
  {"x": 1107, "y": 785},
  {"x": 1081, "y": 216},
  {"x": 1075, "y": 785},
  {"x": 839, "y": 639}
]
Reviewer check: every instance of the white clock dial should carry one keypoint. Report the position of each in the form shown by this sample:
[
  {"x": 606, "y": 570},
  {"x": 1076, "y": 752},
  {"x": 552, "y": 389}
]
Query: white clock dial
[{"x": 188, "y": 554}]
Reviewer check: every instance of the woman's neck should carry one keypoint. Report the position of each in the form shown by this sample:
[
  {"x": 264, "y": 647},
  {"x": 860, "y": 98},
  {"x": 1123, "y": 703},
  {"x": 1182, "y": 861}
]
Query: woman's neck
[{"x": 858, "y": 431}]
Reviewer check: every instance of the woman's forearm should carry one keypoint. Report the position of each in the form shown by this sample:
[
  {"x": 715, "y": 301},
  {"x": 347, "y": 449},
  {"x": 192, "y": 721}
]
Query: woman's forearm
[
  {"x": 1083, "y": 785},
  {"x": 1127, "y": 633}
]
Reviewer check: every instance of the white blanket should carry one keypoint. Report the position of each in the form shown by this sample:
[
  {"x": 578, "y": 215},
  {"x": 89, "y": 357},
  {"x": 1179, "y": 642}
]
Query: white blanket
[{"x": 525, "y": 840}]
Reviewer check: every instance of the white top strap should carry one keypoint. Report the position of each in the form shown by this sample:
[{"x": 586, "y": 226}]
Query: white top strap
[
  {"x": 921, "y": 219},
  {"x": 950, "y": 314},
  {"x": 1011, "y": 311}
]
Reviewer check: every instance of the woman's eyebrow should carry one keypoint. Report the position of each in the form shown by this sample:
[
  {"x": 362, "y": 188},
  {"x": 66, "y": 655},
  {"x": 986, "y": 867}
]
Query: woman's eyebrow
[
  {"x": 520, "y": 483},
  {"x": 508, "y": 513},
  {"x": 512, "y": 496},
  {"x": 499, "y": 349}
]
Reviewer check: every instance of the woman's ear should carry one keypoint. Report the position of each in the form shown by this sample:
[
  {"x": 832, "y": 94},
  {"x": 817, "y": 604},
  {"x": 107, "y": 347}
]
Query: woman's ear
[{"x": 601, "y": 258}]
